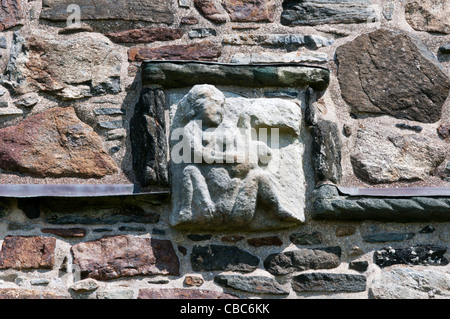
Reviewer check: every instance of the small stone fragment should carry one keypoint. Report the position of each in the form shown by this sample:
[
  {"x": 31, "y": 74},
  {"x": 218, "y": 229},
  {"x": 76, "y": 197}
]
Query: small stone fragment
[
  {"x": 314, "y": 238},
  {"x": 193, "y": 281},
  {"x": 66, "y": 232},
  {"x": 359, "y": 265},
  {"x": 85, "y": 285},
  {"x": 345, "y": 231}
]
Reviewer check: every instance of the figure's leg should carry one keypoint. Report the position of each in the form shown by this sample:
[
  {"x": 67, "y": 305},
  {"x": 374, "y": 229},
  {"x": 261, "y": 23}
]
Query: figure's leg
[{"x": 196, "y": 194}]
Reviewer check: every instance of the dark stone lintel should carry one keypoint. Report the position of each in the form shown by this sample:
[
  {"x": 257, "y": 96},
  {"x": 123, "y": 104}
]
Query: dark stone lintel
[
  {"x": 178, "y": 74},
  {"x": 404, "y": 205}
]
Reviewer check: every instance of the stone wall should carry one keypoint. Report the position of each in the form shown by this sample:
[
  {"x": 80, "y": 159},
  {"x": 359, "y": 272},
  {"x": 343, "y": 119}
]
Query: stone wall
[{"x": 354, "y": 201}]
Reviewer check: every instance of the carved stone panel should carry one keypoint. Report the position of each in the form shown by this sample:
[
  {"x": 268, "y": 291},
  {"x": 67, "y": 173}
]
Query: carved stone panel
[{"x": 236, "y": 162}]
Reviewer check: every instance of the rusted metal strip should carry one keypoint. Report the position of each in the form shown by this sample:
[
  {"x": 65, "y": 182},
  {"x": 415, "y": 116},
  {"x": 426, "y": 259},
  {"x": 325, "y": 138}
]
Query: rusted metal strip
[
  {"x": 71, "y": 190},
  {"x": 396, "y": 192}
]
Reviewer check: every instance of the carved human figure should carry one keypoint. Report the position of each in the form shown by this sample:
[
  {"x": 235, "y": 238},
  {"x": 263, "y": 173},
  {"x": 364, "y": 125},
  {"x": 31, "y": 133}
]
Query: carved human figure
[{"x": 221, "y": 177}]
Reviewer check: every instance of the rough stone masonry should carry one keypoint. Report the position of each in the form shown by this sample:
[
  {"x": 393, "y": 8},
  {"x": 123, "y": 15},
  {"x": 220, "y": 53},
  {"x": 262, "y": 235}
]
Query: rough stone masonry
[{"x": 342, "y": 188}]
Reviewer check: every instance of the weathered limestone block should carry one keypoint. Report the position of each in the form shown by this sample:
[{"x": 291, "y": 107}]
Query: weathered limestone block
[
  {"x": 239, "y": 175},
  {"x": 315, "y": 12},
  {"x": 69, "y": 69},
  {"x": 380, "y": 156},
  {"x": 156, "y": 11},
  {"x": 148, "y": 139},
  {"x": 54, "y": 143},
  {"x": 428, "y": 15},
  {"x": 10, "y": 14},
  {"x": 250, "y": 11},
  {"x": 389, "y": 72},
  {"x": 411, "y": 284},
  {"x": 27, "y": 253},
  {"x": 125, "y": 256}
]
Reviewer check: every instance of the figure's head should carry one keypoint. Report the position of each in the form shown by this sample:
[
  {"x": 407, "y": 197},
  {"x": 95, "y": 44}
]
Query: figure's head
[{"x": 205, "y": 103}]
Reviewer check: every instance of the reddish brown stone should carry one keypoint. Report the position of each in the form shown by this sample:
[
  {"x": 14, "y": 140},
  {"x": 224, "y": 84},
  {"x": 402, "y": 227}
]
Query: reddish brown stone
[
  {"x": 179, "y": 293},
  {"x": 189, "y": 20},
  {"x": 444, "y": 131},
  {"x": 10, "y": 14},
  {"x": 210, "y": 10},
  {"x": 250, "y": 11},
  {"x": 193, "y": 281},
  {"x": 202, "y": 51},
  {"x": 232, "y": 239},
  {"x": 54, "y": 143},
  {"x": 145, "y": 35},
  {"x": 265, "y": 241},
  {"x": 27, "y": 253},
  {"x": 125, "y": 256},
  {"x": 345, "y": 231},
  {"x": 65, "y": 232},
  {"x": 12, "y": 293}
]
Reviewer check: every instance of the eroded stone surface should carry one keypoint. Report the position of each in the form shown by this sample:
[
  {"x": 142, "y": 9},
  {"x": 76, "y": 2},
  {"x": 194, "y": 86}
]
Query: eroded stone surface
[
  {"x": 259, "y": 187},
  {"x": 54, "y": 143},
  {"x": 180, "y": 293},
  {"x": 18, "y": 293},
  {"x": 10, "y": 14},
  {"x": 211, "y": 10},
  {"x": 428, "y": 15},
  {"x": 149, "y": 140},
  {"x": 316, "y": 282},
  {"x": 252, "y": 284},
  {"x": 414, "y": 255},
  {"x": 303, "y": 259},
  {"x": 145, "y": 35},
  {"x": 201, "y": 51},
  {"x": 227, "y": 258},
  {"x": 384, "y": 157},
  {"x": 316, "y": 12},
  {"x": 379, "y": 73},
  {"x": 125, "y": 256},
  {"x": 250, "y": 11},
  {"x": 157, "y": 11},
  {"x": 89, "y": 66},
  {"x": 411, "y": 284},
  {"x": 28, "y": 253}
]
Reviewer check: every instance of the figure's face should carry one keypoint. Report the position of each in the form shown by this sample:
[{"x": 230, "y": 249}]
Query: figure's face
[{"x": 212, "y": 113}]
